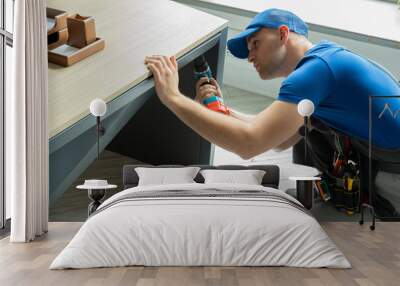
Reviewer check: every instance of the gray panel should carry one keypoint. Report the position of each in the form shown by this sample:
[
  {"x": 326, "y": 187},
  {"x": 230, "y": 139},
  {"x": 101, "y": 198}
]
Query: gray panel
[{"x": 70, "y": 160}]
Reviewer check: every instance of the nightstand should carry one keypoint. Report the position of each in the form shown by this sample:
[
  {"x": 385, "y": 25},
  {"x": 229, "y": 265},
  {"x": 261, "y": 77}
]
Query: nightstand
[
  {"x": 96, "y": 192},
  {"x": 304, "y": 190}
]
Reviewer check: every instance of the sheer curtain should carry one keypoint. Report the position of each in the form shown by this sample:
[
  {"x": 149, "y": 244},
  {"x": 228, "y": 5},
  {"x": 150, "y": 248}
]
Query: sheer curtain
[{"x": 26, "y": 124}]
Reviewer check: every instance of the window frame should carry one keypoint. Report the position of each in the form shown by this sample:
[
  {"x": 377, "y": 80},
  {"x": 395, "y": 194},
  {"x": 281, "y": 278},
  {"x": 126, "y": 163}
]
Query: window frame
[{"x": 6, "y": 39}]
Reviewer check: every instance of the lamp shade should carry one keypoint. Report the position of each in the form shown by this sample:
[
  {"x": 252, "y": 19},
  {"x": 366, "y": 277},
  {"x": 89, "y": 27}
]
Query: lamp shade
[
  {"x": 98, "y": 107},
  {"x": 305, "y": 107}
]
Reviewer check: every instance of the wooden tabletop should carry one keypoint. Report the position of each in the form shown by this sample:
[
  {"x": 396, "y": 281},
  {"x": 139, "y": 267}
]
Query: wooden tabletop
[{"x": 132, "y": 29}]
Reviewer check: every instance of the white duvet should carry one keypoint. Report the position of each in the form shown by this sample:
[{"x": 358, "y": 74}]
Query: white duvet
[{"x": 200, "y": 231}]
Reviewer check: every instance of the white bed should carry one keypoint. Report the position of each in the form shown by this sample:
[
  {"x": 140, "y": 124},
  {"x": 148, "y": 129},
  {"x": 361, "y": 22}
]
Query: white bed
[{"x": 185, "y": 230}]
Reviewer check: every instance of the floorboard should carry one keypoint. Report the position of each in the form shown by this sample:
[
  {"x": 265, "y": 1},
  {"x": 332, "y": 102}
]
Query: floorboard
[{"x": 374, "y": 255}]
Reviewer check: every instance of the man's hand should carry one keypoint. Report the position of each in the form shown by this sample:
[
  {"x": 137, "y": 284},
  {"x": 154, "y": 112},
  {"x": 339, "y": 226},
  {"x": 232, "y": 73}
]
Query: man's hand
[
  {"x": 204, "y": 91},
  {"x": 166, "y": 78}
]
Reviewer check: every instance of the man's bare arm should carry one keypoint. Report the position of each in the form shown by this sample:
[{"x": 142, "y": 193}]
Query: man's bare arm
[
  {"x": 288, "y": 143},
  {"x": 267, "y": 130},
  {"x": 241, "y": 116},
  {"x": 292, "y": 140}
]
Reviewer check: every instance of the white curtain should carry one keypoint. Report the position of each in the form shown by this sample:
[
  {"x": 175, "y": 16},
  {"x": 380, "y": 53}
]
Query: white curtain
[{"x": 26, "y": 124}]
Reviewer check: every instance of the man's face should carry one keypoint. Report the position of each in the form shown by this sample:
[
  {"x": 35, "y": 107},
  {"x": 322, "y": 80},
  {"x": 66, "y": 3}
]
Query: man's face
[{"x": 266, "y": 52}]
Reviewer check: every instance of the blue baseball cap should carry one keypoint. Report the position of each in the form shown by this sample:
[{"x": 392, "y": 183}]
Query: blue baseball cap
[{"x": 270, "y": 18}]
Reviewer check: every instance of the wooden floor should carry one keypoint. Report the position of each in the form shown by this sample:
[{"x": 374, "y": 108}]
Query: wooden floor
[{"x": 374, "y": 255}]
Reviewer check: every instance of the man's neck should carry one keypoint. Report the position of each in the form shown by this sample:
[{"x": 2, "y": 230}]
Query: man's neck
[{"x": 296, "y": 51}]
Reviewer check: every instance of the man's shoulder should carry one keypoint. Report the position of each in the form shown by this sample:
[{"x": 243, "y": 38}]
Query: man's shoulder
[
  {"x": 324, "y": 51},
  {"x": 317, "y": 61},
  {"x": 310, "y": 69}
]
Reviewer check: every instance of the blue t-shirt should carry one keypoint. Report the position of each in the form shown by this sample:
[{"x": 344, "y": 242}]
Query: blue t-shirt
[{"x": 340, "y": 83}]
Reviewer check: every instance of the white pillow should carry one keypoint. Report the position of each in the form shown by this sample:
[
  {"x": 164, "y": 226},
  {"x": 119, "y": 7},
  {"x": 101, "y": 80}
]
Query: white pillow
[
  {"x": 248, "y": 177},
  {"x": 162, "y": 176}
]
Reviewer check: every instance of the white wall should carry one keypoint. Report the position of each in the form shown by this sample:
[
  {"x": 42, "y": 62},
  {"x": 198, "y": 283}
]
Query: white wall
[{"x": 240, "y": 74}]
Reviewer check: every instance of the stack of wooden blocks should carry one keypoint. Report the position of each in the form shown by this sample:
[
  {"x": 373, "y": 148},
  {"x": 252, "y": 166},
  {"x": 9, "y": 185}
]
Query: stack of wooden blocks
[{"x": 71, "y": 38}]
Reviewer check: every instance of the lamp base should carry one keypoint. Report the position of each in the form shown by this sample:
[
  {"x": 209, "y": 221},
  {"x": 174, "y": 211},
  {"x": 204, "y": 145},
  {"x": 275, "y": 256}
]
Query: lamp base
[
  {"x": 95, "y": 195},
  {"x": 305, "y": 193}
]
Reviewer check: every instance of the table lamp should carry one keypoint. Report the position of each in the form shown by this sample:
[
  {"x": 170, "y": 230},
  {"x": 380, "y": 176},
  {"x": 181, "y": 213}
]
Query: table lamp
[
  {"x": 305, "y": 108},
  {"x": 98, "y": 108},
  {"x": 304, "y": 185}
]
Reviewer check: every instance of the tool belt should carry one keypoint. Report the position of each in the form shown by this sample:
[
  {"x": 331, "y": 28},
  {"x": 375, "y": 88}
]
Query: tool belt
[{"x": 344, "y": 162}]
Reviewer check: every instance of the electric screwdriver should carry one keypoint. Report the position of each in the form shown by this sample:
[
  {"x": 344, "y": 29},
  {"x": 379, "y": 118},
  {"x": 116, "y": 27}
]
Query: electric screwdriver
[{"x": 202, "y": 69}]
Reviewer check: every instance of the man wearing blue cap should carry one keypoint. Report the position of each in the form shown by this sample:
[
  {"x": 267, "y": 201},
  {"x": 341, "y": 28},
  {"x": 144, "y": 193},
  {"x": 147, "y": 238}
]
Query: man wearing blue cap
[{"x": 336, "y": 80}]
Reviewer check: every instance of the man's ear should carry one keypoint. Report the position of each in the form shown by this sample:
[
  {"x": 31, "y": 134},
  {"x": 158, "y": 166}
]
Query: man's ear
[{"x": 283, "y": 33}]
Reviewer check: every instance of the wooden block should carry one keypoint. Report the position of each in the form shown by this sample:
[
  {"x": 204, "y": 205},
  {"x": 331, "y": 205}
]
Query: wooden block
[
  {"x": 56, "y": 20},
  {"x": 57, "y": 39},
  {"x": 67, "y": 55},
  {"x": 81, "y": 30}
]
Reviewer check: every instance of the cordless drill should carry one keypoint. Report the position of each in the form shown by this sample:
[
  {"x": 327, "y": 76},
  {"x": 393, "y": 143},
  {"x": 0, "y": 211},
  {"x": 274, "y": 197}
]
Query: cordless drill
[{"x": 202, "y": 69}]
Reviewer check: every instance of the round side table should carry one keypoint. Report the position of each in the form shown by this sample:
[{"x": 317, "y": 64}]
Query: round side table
[{"x": 96, "y": 195}]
